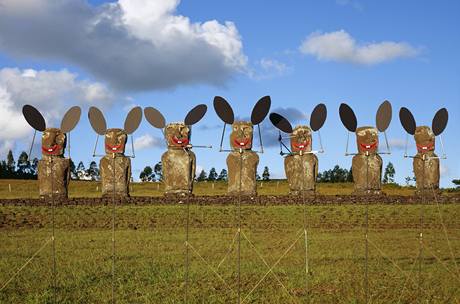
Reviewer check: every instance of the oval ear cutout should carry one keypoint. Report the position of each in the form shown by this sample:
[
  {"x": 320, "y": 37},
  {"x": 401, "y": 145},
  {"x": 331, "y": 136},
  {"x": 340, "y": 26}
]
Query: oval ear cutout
[
  {"x": 260, "y": 110},
  {"x": 407, "y": 120},
  {"x": 440, "y": 121},
  {"x": 34, "y": 118},
  {"x": 97, "y": 120},
  {"x": 383, "y": 117},
  {"x": 318, "y": 117},
  {"x": 223, "y": 110},
  {"x": 195, "y": 114},
  {"x": 70, "y": 119},
  {"x": 154, "y": 117},
  {"x": 280, "y": 122},
  {"x": 133, "y": 120},
  {"x": 348, "y": 117}
]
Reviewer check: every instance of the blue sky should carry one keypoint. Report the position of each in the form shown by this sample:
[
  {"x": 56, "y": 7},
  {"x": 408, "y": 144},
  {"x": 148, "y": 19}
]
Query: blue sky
[{"x": 300, "y": 53}]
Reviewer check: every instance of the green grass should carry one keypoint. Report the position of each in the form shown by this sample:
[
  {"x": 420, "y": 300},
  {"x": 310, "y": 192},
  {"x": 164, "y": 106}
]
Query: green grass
[
  {"x": 150, "y": 254},
  {"x": 29, "y": 189}
]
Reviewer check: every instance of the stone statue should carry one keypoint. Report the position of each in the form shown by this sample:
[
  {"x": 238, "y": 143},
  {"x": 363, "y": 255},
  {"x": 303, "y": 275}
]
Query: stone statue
[
  {"x": 301, "y": 163},
  {"x": 367, "y": 163},
  {"x": 115, "y": 167},
  {"x": 242, "y": 161},
  {"x": 53, "y": 168},
  {"x": 426, "y": 163},
  {"x": 178, "y": 162}
]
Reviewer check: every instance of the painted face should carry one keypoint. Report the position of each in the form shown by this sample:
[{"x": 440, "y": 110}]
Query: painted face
[
  {"x": 301, "y": 139},
  {"x": 241, "y": 136},
  {"x": 367, "y": 139},
  {"x": 115, "y": 141},
  {"x": 53, "y": 142},
  {"x": 177, "y": 134},
  {"x": 424, "y": 139}
]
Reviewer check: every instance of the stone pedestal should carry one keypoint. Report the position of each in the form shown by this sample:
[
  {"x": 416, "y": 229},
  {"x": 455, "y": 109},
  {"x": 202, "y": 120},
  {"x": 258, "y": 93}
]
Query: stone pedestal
[
  {"x": 301, "y": 172},
  {"x": 118, "y": 182},
  {"x": 249, "y": 161},
  {"x": 53, "y": 176},
  {"x": 367, "y": 174},
  {"x": 427, "y": 172},
  {"x": 178, "y": 171}
]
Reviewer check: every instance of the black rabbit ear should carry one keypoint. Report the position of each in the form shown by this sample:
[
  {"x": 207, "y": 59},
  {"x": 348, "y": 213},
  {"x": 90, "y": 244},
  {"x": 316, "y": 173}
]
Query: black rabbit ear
[
  {"x": 223, "y": 110},
  {"x": 260, "y": 110},
  {"x": 383, "y": 117},
  {"x": 133, "y": 120},
  {"x": 34, "y": 118},
  {"x": 154, "y": 117},
  {"x": 195, "y": 114},
  {"x": 348, "y": 117},
  {"x": 318, "y": 117},
  {"x": 97, "y": 120},
  {"x": 280, "y": 122},
  {"x": 440, "y": 121},
  {"x": 407, "y": 120},
  {"x": 70, "y": 120}
]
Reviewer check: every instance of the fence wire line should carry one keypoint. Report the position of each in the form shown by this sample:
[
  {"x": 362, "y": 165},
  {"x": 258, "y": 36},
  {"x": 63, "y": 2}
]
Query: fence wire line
[
  {"x": 26, "y": 263},
  {"x": 268, "y": 266},
  {"x": 442, "y": 263},
  {"x": 228, "y": 251},
  {"x": 407, "y": 278},
  {"x": 274, "y": 265}
]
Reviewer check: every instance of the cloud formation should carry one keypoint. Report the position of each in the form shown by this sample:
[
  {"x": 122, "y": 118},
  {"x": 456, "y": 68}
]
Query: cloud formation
[
  {"x": 134, "y": 45},
  {"x": 342, "y": 47},
  {"x": 147, "y": 141},
  {"x": 52, "y": 92}
]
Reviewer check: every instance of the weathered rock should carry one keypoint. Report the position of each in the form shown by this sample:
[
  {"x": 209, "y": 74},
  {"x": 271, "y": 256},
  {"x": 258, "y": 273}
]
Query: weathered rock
[
  {"x": 426, "y": 162},
  {"x": 247, "y": 161},
  {"x": 367, "y": 164},
  {"x": 179, "y": 162},
  {"x": 53, "y": 168},
  {"x": 115, "y": 167}
]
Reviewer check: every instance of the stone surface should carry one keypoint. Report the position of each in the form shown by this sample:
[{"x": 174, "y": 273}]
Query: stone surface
[
  {"x": 246, "y": 160},
  {"x": 241, "y": 135},
  {"x": 118, "y": 180},
  {"x": 53, "y": 176},
  {"x": 301, "y": 172},
  {"x": 426, "y": 162},
  {"x": 367, "y": 164}
]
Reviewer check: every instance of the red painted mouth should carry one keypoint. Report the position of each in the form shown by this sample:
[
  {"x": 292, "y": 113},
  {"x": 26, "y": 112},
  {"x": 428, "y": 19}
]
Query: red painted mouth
[
  {"x": 114, "y": 148},
  {"x": 425, "y": 148},
  {"x": 370, "y": 147},
  {"x": 241, "y": 142},
  {"x": 53, "y": 150},
  {"x": 180, "y": 141},
  {"x": 301, "y": 145}
]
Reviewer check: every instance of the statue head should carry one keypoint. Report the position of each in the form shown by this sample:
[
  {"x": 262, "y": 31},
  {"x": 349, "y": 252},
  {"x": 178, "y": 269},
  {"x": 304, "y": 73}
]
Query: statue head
[
  {"x": 301, "y": 139},
  {"x": 177, "y": 135},
  {"x": 424, "y": 139},
  {"x": 367, "y": 139},
  {"x": 241, "y": 135},
  {"x": 53, "y": 142},
  {"x": 115, "y": 141}
]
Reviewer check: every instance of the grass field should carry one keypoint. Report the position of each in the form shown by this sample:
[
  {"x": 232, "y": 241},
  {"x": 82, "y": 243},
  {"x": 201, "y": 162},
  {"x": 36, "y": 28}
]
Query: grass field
[
  {"x": 150, "y": 254},
  {"x": 29, "y": 189}
]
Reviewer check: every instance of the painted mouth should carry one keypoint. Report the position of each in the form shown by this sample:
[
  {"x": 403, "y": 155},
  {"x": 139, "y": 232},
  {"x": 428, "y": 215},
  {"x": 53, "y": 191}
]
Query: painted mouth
[
  {"x": 241, "y": 142},
  {"x": 53, "y": 150},
  {"x": 301, "y": 145},
  {"x": 367, "y": 147},
  {"x": 180, "y": 141},
  {"x": 423, "y": 148},
  {"x": 114, "y": 148}
]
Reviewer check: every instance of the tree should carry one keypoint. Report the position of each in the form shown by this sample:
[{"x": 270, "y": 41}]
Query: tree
[
  {"x": 266, "y": 174},
  {"x": 147, "y": 175},
  {"x": 93, "y": 171},
  {"x": 10, "y": 164},
  {"x": 212, "y": 174},
  {"x": 158, "y": 169},
  {"x": 73, "y": 171},
  {"x": 456, "y": 182},
  {"x": 389, "y": 175},
  {"x": 350, "y": 175},
  {"x": 202, "y": 176},
  {"x": 223, "y": 175},
  {"x": 24, "y": 170},
  {"x": 81, "y": 167}
]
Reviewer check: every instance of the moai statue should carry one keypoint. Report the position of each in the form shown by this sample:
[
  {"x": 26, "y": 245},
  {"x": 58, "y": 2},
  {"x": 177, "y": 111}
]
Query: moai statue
[
  {"x": 115, "y": 167},
  {"x": 367, "y": 163},
  {"x": 179, "y": 161},
  {"x": 301, "y": 163},
  {"x": 242, "y": 161},
  {"x": 426, "y": 162},
  {"x": 53, "y": 168}
]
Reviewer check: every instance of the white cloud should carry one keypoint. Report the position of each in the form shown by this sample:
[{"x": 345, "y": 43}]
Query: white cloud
[
  {"x": 266, "y": 68},
  {"x": 52, "y": 92},
  {"x": 444, "y": 170},
  {"x": 342, "y": 47},
  {"x": 397, "y": 143},
  {"x": 147, "y": 141},
  {"x": 132, "y": 44}
]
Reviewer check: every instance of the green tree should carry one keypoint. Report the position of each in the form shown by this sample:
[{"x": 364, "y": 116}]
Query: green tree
[
  {"x": 10, "y": 164},
  {"x": 456, "y": 182},
  {"x": 147, "y": 175},
  {"x": 266, "y": 174},
  {"x": 212, "y": 174},
  {"x": 350, "y": 175},
  {"x": 202, "y": 176},
  {"x": 223, "y": 175},
  {"x": 389, "y": 175},
  {"x": 158, "y": 169},
  {"x": 24, "y": 170}
]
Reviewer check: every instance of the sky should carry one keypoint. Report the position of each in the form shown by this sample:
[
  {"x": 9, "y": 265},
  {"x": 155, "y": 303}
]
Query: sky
[{"x": 174, "y": 55}]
